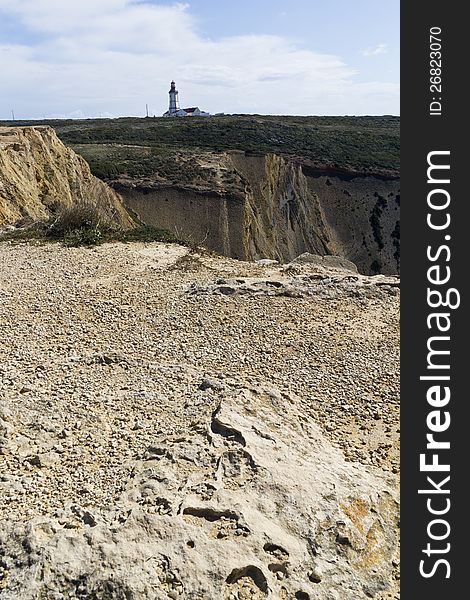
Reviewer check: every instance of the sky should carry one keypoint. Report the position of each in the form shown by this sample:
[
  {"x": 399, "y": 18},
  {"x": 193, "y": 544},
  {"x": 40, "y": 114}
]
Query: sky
[{"x": 109, "y": 58}]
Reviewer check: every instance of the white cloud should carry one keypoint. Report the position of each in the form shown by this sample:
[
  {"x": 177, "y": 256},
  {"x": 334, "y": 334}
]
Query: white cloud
[
  {"x": 379, "y": 49},
  {"x": 113, "y": 56}
]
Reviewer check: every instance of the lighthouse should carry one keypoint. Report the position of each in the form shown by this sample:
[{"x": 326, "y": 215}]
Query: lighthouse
[
  {"x": 174, "y": 109},
  {"x": 174, "y": 102}
]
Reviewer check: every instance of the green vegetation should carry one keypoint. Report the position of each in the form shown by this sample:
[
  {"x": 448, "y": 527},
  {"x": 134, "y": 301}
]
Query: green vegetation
[
  {"x": 24, "y": 233},
  {"x": 109, "y": 161},
  {"x": 147, "y": 233},
  {"x": 143, "y": 147},
  {"x": 82, "y": 224},
  {"x": 84, "y": 236}
]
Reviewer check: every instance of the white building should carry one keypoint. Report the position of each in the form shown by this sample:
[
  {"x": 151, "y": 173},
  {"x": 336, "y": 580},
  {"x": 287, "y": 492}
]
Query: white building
[{"x": 174, "y": 109}]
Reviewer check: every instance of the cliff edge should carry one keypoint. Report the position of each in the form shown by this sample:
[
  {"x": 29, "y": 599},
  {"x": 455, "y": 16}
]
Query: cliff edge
[
  {"x": 39, "y": 174},
  {"x": 251, "y": 206}
]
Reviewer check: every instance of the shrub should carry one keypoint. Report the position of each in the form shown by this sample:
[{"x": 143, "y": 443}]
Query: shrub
[
  {"x": 81, "y": 224},
  {"x": 84, "y": 236}
]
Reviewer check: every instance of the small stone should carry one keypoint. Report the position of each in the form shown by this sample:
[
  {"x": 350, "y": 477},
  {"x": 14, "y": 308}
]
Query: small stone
[
  {"x": 46, "y": 459},
  {"x": 266, "y": 262}
]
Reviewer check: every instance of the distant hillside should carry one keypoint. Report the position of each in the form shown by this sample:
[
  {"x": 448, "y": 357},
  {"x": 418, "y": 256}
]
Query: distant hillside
[{"x": 365, "y": 144}]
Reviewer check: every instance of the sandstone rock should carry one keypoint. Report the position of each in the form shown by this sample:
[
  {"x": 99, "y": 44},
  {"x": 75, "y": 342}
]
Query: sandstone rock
[
  {"x": 327, "y": 261},
  {"x": 46, "y": 459},
  {"x": 225, "y": 457},
  {"x": 266, "y": 262},
  {"x": 308, "y": 280},
  {"x": 38, "y": 174},
  {"x": 286, "y": 517},
  {"x": 276, "y": 206}
]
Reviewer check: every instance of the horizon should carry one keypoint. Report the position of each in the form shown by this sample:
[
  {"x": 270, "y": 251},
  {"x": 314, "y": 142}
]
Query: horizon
[
  {"x": 151, "y": 117},
  {"x": 108, "y": 60}
]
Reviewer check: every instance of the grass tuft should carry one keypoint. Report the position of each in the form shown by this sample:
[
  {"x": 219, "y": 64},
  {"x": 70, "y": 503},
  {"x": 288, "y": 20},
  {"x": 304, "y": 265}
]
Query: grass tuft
[
  {"x": 83, "y": 224},
  {"x": 80, "y": 224}
]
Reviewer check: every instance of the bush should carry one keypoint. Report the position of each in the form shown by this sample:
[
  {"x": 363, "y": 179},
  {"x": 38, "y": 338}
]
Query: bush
[
  {"x": 84, "y": 236},
  {"x": 81, "y": 224}
]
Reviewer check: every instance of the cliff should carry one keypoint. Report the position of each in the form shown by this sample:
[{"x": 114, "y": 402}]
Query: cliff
[
  {"x": 39, "y": 174},
  {"x": 334, "y": 189},
  {"x": 255, "y": 205},
  {"x": 199, "y": 427}
]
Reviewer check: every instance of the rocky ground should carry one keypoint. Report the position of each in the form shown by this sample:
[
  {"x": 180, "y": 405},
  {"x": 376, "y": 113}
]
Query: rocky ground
[{"x": 199, "y": 426}]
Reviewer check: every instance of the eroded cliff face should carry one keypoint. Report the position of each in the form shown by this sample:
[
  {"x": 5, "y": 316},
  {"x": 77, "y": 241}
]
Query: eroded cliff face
[
  {"x": 38, "y": 175},
  {"x": 361, "y": 215},
  {"x": 246, "y": 206},
  {"x": 207, "y": 217},
  {"x": 268, "y": 206},
  {"x": 282, "y": 216}
]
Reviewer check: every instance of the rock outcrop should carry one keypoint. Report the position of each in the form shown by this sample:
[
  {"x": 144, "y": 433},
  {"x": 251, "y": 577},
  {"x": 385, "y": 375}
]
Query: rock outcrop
[
  {"x": 38, "y": 175},
  {"x": 265, "y": 206},
  {"x": 252, "y": 503}
]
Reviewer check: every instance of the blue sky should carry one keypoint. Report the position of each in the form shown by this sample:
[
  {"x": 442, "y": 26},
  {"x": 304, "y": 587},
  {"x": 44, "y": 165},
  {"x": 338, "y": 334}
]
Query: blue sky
[
  {"x": 111, "y": 57},
  {"x": 343, "y": 27}
]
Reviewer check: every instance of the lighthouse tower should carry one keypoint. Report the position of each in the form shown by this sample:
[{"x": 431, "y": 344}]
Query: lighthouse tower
[
  {"x": 174, "y": 109},
  {"x": 174, "y": 102}
]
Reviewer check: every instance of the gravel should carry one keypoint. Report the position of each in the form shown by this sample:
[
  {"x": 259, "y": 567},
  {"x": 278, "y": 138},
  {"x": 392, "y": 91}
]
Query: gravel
[{"x": 98, "y": 345}]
